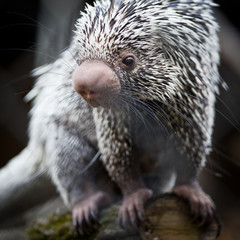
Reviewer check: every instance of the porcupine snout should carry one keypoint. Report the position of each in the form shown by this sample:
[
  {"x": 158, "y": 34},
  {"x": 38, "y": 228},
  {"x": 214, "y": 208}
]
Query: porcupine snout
[{"x": 96, "y": 82}]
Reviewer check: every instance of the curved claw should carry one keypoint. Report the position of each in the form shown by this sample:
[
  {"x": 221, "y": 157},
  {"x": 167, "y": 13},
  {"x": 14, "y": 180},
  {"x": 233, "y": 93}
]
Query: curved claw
[
  {"x": 82, "y": 221},
  {"x": 94, "y": 215},
  {"x": 201, "y": 205},
  {"x": 131, "y": 212},
  {"x": 85, "y": 213},
  {"x": 207, "y": 217}
]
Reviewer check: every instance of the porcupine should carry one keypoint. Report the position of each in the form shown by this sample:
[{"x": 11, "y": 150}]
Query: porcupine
[{"x": 143, "y": 75}]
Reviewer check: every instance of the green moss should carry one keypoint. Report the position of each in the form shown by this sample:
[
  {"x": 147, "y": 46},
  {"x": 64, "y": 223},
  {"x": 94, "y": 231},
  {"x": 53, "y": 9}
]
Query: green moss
[
  {"x": 59, "y": 227},
  {"x": 109, "y": 217},
  {"x": 55, "y": 227}
]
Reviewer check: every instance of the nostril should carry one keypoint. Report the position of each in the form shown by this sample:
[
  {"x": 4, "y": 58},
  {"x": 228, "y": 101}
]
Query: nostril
[
  {"x": 82, "y": 92},
  {"x": 91, "y": 93},
  {"x": 87, "y": 94}
]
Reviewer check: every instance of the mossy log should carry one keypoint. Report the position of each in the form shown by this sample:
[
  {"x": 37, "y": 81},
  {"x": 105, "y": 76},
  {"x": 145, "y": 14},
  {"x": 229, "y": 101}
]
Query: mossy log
[{"x": 167, "y": 218}]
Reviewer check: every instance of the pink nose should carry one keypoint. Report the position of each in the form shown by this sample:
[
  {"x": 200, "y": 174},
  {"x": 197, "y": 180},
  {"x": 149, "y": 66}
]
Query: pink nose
[{"x": 96, "y": 82}]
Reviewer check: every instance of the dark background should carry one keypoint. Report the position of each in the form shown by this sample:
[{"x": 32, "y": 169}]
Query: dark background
[{"x": 22, "y": 27}]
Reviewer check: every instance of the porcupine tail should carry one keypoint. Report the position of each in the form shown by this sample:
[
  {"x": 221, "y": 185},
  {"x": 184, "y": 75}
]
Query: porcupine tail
[{"x": 16, "y": 176}]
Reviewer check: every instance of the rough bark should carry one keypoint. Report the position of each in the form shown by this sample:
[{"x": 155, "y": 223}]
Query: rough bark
[{"x": 167, "y": 217}]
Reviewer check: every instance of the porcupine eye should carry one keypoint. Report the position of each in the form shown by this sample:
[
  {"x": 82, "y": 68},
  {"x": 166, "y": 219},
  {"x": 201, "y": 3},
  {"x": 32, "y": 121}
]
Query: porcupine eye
[{"x": 129, "y": 61}]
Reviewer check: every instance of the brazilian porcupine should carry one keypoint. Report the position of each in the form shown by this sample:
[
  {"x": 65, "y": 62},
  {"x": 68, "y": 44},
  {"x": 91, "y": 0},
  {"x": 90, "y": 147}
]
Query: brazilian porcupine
[{"x": 143, "y": 76}]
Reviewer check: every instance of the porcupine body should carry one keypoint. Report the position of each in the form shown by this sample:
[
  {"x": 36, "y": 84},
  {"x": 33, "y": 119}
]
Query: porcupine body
[{"x": 137, "y": 84}]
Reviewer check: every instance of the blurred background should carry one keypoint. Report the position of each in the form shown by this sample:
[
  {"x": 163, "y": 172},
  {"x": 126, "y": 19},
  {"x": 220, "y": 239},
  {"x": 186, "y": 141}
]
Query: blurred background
[{"x": 36, "y": 32}]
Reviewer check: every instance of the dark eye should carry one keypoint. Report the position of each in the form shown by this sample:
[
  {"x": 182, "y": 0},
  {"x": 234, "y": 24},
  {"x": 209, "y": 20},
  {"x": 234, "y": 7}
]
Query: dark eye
[{"x": 129, "y": 61}]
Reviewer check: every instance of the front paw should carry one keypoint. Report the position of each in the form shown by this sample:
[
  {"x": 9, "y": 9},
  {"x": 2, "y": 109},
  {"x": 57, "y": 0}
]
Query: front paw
[
  {"x": 201, "y": 205},
  {"x": 132, "y": 210},
  {"x": 85, "y": 213}
]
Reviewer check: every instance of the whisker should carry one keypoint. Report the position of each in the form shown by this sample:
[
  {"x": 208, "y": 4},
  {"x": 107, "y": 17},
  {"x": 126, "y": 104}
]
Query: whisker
[
  {"x": 74, "y": 58},
  {"x": 171, "y": 107},
  {"x": 229, "y": 120},
  {"x": 149, "y": 110},
  {"x": 138, "y": 107},
  {"x": 16, "y": 80},
  {"x": 94, "y": 159},
  {"x": 32, "y": 19},
  {"x": 138, "y": 115},
  {"x": 38, "y": 52},
  {"x": 18, "y": 24},
  {"x": 60, "y": 74},
  {"x": 229, "y": 110},
  {"x": 22, "y": 92},
  {"x": 219, "y": 111},
  {"x": 123, "y": 100}
]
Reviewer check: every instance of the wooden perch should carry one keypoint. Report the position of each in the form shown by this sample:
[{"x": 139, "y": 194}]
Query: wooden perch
[{"x": 167, "y": 218}]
